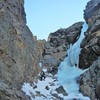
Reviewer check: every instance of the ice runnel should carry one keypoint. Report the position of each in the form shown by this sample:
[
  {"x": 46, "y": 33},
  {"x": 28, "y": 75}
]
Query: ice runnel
[{"x": 73, "y": 52}]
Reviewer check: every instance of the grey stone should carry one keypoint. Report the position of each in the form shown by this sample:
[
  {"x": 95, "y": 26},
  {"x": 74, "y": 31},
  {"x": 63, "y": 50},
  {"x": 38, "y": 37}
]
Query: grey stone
[
  {"x": 47, "y": 87},
  {"x": 61, "y": 90}
]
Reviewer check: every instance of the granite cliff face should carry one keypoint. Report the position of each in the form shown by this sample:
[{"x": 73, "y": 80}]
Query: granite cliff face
[{"x": 18, "y": 50}]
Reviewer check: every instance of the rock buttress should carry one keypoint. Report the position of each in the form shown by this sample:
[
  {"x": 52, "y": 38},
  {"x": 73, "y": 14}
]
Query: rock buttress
[{"x": 18, "y": 50}]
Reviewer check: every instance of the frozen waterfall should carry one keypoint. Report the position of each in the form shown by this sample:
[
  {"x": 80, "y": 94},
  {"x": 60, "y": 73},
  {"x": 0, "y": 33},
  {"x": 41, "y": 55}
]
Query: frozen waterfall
[
  {"x": 67, "y": 72},
  {"x": 73, "y": 52}
]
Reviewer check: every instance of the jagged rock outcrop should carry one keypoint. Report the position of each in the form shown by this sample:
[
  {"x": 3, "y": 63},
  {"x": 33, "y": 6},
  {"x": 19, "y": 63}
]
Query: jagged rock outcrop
[
  {"x": 90, "y": 81},
  {"x": 57, "y": 44},
  {"x": 65, "y": 36},
  {"x": 18, "y": 50},
  {"x": 91, "y": 43}
]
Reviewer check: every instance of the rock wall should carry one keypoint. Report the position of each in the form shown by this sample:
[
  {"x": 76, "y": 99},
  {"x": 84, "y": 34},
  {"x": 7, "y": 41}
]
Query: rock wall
[
  {"x": 57, "y": 44},
  {"x": 90, "y": 81},
  {"x": 91, "y": 43},
  {"x": 18, "y": 50},
  {"x": 90, "y": 54}
]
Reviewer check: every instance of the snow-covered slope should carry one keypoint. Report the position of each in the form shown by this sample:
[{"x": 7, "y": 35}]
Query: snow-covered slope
[{"x": 46, "y": 90}]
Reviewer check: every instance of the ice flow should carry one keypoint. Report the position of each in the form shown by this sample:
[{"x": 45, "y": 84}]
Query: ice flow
[{"x": 67, "y": 72}]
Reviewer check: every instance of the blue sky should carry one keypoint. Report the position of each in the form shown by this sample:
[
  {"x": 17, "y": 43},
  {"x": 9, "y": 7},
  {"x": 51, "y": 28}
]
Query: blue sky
[{"x": 46, "y": 16}]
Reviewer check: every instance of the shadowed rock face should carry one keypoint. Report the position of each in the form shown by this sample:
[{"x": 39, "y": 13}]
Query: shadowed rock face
[
  {"x": 90, "y": 81},
  {"x": 90, "y": 51},
  {"x": 18, "y": 50},
  {"x": 90, "y": 54},
  {"x": 91, "y": 43}
]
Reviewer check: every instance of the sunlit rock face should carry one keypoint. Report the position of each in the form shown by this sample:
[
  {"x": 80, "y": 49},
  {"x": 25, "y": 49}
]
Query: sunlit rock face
[
  {"x": 91, "y": 43},
  {"x": 18, "y": 50},
  {"x": 57, "y": 44}
]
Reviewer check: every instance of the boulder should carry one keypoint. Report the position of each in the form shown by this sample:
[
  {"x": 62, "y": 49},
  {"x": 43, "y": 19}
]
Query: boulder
[
  {"x": 61, "y": 90},
  {"x": 47, "y": 88}
]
